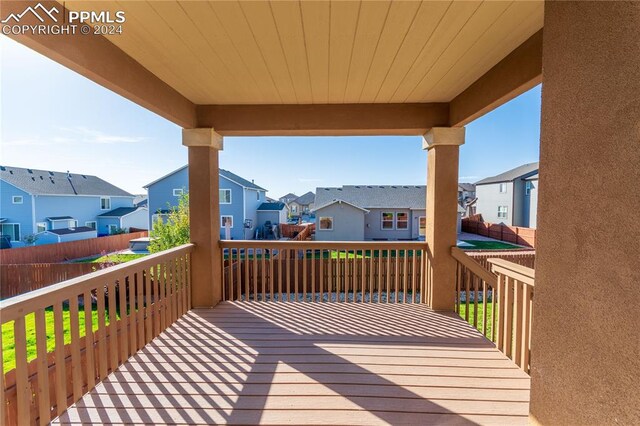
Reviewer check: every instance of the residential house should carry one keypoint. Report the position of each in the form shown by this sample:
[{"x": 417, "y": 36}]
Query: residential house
[
  {"x": 510, "y": 197},
  {"x": 239, "y": 200},
  {"x": 35, "y": 201},
  {"x": 124, "y": 218},
  {"x": 140, "y": 200},
  {"x": 370, "y": 212},
  {"x": 302, "y": 205},
  {"x": 466, "y": 192}
]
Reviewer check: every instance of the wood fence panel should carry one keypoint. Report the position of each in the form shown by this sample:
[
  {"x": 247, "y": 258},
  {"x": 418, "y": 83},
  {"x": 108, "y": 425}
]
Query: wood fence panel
[{"x": 511, "y": 234}]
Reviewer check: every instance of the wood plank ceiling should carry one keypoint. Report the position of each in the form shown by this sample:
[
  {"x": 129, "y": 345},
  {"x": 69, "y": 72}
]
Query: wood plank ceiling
[{"x": 319, "y": 52}]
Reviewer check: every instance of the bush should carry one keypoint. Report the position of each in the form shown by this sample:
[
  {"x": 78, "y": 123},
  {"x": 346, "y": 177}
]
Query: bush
[{"x": 174, "y": 230}]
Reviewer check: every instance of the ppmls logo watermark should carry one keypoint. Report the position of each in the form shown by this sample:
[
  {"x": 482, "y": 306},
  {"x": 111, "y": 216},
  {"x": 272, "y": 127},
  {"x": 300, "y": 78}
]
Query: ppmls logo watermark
[{"x": 40, "y": 20}]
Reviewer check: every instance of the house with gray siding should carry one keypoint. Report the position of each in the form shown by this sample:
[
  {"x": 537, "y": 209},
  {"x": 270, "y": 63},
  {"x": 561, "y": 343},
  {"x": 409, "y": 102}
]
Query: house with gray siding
[
  {"x": 36, "y": 201},
  {"x": 239, "y": 200},
  {"x": 302, "y": 205},
  {"x": 510, "y": 197}
]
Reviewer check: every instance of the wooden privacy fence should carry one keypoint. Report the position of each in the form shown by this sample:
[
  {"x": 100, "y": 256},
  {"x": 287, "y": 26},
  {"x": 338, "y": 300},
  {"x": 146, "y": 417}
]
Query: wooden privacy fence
[
  {"x": 521, "y": 257},
  {"x": 19, "y": 279},
  {"x": 292, "y": 231},
  {"x": 498, "y": 302},
  {"x": 61, "y": 252},
  {"x": 325, "y": 271},
  {"x": 305, "y": 233},
  {"x": 511, "y": 234},
  {"x": 134, "y": 303}
]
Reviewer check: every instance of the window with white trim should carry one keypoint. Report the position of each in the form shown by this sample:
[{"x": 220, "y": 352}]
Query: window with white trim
[
  {"x": 41, "y": 226},
  {"x": 387, "y": 220},
  {"x": 326, "y": 223},
  {"x": 17, "y": 199},
  {"x": 503, "y": 188},
  {"x": 225, "y": 196},
  {"x": 527, "y": 187},
  {"x": 224, "y": 220},
  {"x": 422, "y": 226},
  {"x": 177, "y": 192},
  {"x": 12, "y": 230},
  {"x": 502, "y": 212},
  {"x": 91, "y": 224},
  {"x": 402, "y": 220},
  {"x": 105, "y": 203}
]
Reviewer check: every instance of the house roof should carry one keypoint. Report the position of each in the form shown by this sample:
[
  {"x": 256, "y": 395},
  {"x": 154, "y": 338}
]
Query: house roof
[
  {"x": 66, "y": 231},
  {"x": 224, "y": 173},
  {"x": 532, "y": 177},
  {"x": 465, "y": 186},
  {"x": 375, "y": 196},
  {"x": 119, "y": 212},
  {"x": 340, "y": 202},
  {"x": 289, "y": 197},
  {"x": 306, "y": 199},
  {"x": 54, "y": 218},
  {"x": 509, "y": 175},
  {"x": 45, "y": 182},
  {"x": 277, "y": 206}
]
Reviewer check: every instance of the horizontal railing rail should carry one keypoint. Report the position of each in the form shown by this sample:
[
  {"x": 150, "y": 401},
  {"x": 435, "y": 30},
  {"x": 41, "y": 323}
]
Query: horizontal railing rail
[
  {"x": 95, "y": 323},
  {"x": 318, "y": 271},
  {"x": 498, "y": 302}
]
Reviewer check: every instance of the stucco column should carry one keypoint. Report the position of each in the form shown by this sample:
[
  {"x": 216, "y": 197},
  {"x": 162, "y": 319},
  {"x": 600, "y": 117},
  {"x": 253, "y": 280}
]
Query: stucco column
[
  {"x": 442, "y": 145},
  {"x": 204, "y": 215},
  {"x": 585, "y": 363}
]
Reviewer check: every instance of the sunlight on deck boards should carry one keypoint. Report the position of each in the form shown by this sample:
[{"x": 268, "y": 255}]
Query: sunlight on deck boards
[{"x": 312, "y": 363}]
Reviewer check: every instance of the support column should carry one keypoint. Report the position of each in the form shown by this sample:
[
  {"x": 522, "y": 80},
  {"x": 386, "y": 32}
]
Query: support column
[
  {"x": 204, "y": 215},
  {"x": 585, "y": 343},
  {"x": 443, "y": 145}
]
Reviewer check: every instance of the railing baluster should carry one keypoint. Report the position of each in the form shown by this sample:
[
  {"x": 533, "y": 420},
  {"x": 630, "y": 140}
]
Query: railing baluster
[
  {"x": 23, "y": 389},
  {"x": 388, "y": 276},
  {"x": 484, "y": 307},
  {"x": 44, "y": 399},
  {"x": 279, "y": 266},
  {"x": 414, "y": 274},
  {"x": 263, "y": 273},
  {"x": 157, "y": 303},
  {"x": 517, "y": 332},
  {"x": 238, "y": 283},
  {"x": 475, "y": 301},
  {"x": 61, "y": 371},
  {"x": 113, "y": 324},
  {"x": 272, "y": 283},
  {"x": 321, "y": 274},
  {"x": 140, "y": 304},
  {"x": 526, "y": 327},
  {"x": 467, "y": 278},
  {"x": 379, "y": 278},
  {"x": 246, "y": 275},
  {"x": 508, "y": 326},
  {"x": 255, "y": 274},
  {"x": 76, "y": 365}
]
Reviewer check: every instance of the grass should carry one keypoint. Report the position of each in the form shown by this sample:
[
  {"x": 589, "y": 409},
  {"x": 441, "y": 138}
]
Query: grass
[
  {"x": 334, "y": 254},
  {"x": 489, "y": 245},
  {"x": 462, "y": 309},
  {"x": 112, "y": 258},
  {"x": 8, "y": 343}
]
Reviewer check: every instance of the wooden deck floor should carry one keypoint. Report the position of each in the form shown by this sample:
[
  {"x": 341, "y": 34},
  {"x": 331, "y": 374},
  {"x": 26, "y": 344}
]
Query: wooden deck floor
[{"x": 295, "y": 363}]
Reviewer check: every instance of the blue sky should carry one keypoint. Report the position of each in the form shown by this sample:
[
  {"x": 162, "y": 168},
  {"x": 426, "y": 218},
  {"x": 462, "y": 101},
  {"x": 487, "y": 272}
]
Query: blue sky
[{"x": 52, "y": 118}]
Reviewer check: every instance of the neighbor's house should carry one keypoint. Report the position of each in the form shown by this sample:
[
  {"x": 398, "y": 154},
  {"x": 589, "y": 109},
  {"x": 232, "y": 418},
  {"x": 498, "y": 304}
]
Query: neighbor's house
[
  {"x": 466, "y": 192},
  {"x": 303, "y": 204},
  {"x": 36, "y": 201},
  {"x": 510, "y": 197},
  {"x": 273, "y": 212},
  {"x": 370, "y": 212},
  {"x": 124, "y": 218},
  {"x": 239, "y": 200}
]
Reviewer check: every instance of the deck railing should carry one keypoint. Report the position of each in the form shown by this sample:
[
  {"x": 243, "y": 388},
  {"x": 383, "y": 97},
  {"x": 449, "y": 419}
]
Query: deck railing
[
  {"x": 315, "y": 271},
  {"x": 497, "y": 302},
  {"x": 67, "y": 337}
]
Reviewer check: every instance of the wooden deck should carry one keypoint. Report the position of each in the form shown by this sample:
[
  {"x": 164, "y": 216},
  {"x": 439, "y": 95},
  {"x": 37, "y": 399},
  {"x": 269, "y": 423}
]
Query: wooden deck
[{"x": 304, "y": 363}]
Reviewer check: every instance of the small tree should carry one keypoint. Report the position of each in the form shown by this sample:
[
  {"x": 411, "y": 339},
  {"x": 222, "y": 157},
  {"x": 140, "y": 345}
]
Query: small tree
[
  {"x": 173, "y": 231},
  {"x": 30, "y": 239}
]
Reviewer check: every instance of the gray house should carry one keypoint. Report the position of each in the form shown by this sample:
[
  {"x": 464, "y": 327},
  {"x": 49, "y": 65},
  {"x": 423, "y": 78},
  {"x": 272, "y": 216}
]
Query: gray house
[
  {"x": 368, "y": 212},
  {"x": 303, "y": 204},
  {"x": 510, "y": 197}
]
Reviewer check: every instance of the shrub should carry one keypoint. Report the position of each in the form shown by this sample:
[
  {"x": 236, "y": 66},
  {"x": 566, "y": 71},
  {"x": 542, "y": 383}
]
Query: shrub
[{"x": 174, "y": 230}]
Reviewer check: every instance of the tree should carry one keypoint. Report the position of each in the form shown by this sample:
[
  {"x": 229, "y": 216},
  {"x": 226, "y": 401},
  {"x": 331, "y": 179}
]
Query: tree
[
  {"x": 30, "y": 239},
  {"x": 174, "y": 230}
]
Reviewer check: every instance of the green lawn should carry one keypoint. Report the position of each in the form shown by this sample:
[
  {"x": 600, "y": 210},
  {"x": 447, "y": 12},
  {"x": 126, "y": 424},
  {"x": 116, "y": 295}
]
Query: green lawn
[
  {"x": 463, "y": 309},
  {"x": 8, "y": 344},
  {"x": 489, "y": 245},
  {"x": 114, "y": 258}
]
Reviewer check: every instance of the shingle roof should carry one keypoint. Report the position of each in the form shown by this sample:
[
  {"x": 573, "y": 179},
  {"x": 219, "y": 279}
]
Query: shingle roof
[
  {"x": 464, "y": 186},
  {"x": 119, "y": 212},
  {"x": 53, "y": 218},
  {"x": 375, "y": 196},
  {"x": 289, "y": 197},
  {"x": 66, "y": 231},
  {"x": 225, "y": 173},
  {"x": 532, "y": 177},
  {"x": 44, "y": 182},
  {"x": 277, "y": 206},
  {"x": 509, "y": 175},
  {"x": 306, "y": 199}
]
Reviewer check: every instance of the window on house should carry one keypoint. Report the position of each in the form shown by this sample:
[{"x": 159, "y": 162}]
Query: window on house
[
  {"x": 527, "y": 188},
  {"x": 112, "y": 229},
  {"x": 17, "y": 199},
  {"x": 224, "y": 220},
  {"x": 387, "y": 220},
  {"x": 502, "y": 212},
  {"x": 177, "y": 192},
  {"x": 402, "y": 220},
  {"x": 41, "y": 226},
  {"x": 503, "y": 188},
  {"x": 105, "y": 203},
  {"x": 225, "y": 196},
  {"x": 91, "y": 224},
  {"x": 326, "y": 223},
  {"x": 422, "y": 226},
  {"x": 73, "y": 224},
  {"x": 12, "y": 230},
  {"x": 294, "y": 208}
]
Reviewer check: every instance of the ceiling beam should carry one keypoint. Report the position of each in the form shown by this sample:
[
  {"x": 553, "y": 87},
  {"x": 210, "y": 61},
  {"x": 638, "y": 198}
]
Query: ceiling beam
[
  {"x": 324, "y": 119},
  {"x": 515, "y": 74},
  {"x": 96, "y": 58}
]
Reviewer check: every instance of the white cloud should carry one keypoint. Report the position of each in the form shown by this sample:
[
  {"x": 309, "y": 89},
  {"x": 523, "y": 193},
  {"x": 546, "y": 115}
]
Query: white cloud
[
  {"x": 309, "y": 180},
  {"x": 74, "y": 135}
]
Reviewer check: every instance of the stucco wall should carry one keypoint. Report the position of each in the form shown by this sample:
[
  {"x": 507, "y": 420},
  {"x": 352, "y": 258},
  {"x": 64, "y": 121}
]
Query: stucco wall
[
  {"x": 348, "y": 223},
  {"x": 585, "y": 339},
  {"x": 489, "y": 198}
]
